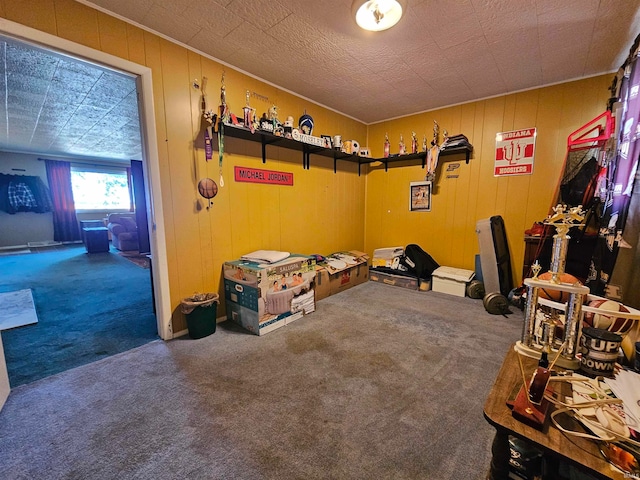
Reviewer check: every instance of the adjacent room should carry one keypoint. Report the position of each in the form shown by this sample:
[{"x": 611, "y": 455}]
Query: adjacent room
[
  {"x": 70, "y": 252},
  {"x": 339, "y": 239}
]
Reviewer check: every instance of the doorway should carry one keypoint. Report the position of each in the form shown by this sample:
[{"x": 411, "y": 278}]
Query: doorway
[{"x": 150, "y": 165}]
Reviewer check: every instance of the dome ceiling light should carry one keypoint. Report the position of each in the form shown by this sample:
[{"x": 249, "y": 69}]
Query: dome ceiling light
[{"x": 377, "y": 15}]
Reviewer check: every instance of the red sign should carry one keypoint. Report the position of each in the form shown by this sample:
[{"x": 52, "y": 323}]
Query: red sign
[
  {"x": 515, "y": 152},
  {"x": 257, "y": 175}
]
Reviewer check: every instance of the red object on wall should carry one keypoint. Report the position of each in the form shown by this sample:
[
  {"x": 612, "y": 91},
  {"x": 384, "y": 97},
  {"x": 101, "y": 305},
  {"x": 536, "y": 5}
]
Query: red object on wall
[{"x": 257, "y": 175}]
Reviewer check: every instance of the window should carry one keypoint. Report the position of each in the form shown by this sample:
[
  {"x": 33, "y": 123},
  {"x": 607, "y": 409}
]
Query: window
[{"x": 100, "y": 188}]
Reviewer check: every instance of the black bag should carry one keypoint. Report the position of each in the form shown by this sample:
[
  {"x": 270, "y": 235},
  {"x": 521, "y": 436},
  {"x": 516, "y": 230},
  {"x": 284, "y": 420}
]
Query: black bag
[
  {"x": 581, "y": 188},
  {"x": 418, "y": 262}
]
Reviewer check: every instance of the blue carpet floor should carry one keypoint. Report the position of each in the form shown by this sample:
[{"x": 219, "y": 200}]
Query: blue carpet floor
[{"x": 89, "y": 306}]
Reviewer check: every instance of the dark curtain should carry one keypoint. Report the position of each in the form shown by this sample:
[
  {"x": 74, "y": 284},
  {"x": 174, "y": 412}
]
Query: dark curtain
[
  {"x": 65, "y": 224},
  {"x": 130, "y": 186},
  {"x": 140, "y": 199},
  {"x": 621, "y": 173}
]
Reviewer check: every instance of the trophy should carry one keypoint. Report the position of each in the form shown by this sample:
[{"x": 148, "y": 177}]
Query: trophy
[{"x": 536, "y": 337}]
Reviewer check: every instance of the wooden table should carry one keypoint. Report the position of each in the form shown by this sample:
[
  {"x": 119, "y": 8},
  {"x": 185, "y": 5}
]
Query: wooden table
[{"x": 556, "y": 446}]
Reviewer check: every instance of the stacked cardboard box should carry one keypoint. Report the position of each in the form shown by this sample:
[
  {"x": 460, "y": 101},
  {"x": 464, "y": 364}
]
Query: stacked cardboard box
[
  {"x": 355, "y": 272},
  {"x": 263, "y": 297},
  {"x": 340, "y": 271}
]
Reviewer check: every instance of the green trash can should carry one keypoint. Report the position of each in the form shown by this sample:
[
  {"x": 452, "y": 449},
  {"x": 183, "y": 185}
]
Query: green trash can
[{"x": 201, "y": 310}]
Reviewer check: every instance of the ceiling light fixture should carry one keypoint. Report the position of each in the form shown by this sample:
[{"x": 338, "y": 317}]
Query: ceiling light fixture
[{"x": 377, "y": 15}]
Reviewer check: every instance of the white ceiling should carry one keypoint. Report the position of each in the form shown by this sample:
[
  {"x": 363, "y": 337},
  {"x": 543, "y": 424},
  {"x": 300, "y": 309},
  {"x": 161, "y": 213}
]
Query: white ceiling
[
  {"x": 59, "y": 106},
  {"x": 441, "y": 53}
]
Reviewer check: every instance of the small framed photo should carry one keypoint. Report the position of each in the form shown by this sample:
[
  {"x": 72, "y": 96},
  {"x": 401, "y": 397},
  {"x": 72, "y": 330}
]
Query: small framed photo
[{"x": 420, "y": 197}]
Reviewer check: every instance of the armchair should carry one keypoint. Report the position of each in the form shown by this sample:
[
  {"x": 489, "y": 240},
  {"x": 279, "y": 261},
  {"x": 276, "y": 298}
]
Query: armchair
[{"x": 124, "y": 231}]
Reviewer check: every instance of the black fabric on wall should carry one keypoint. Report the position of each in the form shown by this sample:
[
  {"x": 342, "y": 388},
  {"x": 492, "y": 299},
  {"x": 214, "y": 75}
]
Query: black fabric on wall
[{"x": 37, "y": 187}]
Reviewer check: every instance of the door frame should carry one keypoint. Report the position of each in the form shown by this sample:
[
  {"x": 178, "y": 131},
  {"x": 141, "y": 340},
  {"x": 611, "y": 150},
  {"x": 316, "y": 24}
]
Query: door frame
[{"x": 151, "y": 163}]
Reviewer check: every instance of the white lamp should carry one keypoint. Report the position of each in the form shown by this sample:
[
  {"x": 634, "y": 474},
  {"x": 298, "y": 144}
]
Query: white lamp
[{"x": 377, "y": 15}]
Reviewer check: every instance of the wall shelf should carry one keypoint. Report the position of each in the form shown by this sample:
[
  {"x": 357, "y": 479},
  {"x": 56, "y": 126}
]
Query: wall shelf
[{"x": 266, "y": 138}]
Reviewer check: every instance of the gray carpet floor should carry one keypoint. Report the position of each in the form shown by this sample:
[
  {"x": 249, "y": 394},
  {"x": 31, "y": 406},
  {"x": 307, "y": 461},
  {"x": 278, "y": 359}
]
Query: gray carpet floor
[{"x": 380, "y": 382}]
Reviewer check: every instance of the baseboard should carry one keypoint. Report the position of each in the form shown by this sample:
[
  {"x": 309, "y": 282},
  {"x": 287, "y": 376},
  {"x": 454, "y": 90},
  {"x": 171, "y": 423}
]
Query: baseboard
[
  {"x": 46, "y": 243},
  {"x": 181, "y": 333},
  {"x": 14, "y": 247}
]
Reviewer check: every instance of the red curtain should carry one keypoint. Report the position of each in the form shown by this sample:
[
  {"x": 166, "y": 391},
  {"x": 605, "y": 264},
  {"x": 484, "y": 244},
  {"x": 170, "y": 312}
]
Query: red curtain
[{"x": 65, "y": 224}]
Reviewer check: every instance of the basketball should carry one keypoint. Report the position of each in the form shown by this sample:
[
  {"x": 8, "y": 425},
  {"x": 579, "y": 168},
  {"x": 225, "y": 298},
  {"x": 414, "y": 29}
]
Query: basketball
[
  {"x": 608, "y": 322},
  {"x": 557, "y": 295},
  {"x": 207, "y": 188}
]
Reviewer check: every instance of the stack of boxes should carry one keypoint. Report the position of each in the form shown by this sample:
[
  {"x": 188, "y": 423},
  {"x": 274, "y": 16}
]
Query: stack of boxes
[
  {"x": 264, "y": 297},
  {"x": 342, "y": 270}
]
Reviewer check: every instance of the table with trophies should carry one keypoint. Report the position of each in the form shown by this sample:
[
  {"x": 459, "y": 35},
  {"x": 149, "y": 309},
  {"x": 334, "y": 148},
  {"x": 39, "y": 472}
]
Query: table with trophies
[{"x": 560, "y": 387}]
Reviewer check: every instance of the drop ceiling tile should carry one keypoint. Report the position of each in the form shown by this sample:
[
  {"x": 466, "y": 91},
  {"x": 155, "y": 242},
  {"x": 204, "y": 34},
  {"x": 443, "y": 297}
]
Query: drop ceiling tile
[
  {"x": 213, "y": 17},
  {"x": 605, "y": 53},
  {"x": 447, "y": 83},
  {"x": 178, "y": 27},
  {"x": 447, "y": 28},
  {"x": 288, "y": 32},
  {"x": 434, "y": 11},
  {"x": 481, "y": 6},
  {"x": 135, "y": 10},
  {"x": 441, "y": 52},
  {"x": 569, "y": 9},
  {"x": 511, "y": 28},
  {"x": 264, "y": 15},
  {"x": 216, "y": 47}
]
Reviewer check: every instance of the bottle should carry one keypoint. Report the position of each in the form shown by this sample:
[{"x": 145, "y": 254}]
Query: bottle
[{"x": 544, "y": 360}]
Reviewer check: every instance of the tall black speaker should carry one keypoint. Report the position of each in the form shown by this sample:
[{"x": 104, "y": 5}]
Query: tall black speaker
[{"x": 495, "y": 259}]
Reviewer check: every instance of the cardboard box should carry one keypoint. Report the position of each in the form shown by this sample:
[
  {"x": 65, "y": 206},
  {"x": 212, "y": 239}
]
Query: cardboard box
[
  {"x": 322, "y": 288},
  {"x": 263, "y": 297},
  {"x": 403, "y": 281},
  {"x": 451, "y": 280},
  {"x": 346, "y": 270}
]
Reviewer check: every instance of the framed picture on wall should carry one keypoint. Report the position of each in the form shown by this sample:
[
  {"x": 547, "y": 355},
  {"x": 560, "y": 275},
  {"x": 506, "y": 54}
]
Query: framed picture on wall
[{"x": 420, "y": 196}]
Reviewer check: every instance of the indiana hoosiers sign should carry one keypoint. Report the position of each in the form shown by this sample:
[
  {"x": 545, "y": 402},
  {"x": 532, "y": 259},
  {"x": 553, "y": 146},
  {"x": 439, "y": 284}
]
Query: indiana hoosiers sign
[{"x": 514, "y": 152}]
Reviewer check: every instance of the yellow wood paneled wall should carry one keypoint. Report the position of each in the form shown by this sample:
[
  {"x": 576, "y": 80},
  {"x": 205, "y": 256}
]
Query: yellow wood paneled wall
[
  {"x": 448, "y": 231},
  {"x": 321, "y": 213}
]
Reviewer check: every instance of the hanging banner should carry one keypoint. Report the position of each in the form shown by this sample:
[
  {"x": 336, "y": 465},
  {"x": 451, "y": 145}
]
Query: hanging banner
[
  {"x": 257, "y": 175},
  {"x": 514, "y": 152}
]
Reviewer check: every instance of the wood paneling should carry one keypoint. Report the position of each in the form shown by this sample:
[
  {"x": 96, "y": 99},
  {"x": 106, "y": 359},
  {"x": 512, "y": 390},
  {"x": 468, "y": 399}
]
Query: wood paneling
[
  {"x": 113, "y": 36},
  {"x": 78, "y": 23},
  {"x": 39, "y": 14},
  {"x": 448, "y": 231},
  {"x": 323, "y": 211}
]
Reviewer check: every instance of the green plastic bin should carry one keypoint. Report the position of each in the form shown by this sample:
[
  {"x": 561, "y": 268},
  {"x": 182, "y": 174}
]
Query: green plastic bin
[{"x": 201, "y": 311}]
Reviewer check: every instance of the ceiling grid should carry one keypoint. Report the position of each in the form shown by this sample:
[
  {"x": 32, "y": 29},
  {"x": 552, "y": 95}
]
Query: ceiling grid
[{"x": 440, "y": 54}]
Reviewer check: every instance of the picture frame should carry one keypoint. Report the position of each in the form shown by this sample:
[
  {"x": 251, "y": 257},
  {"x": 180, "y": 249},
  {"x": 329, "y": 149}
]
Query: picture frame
[{"x": 420, "y": 196}]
